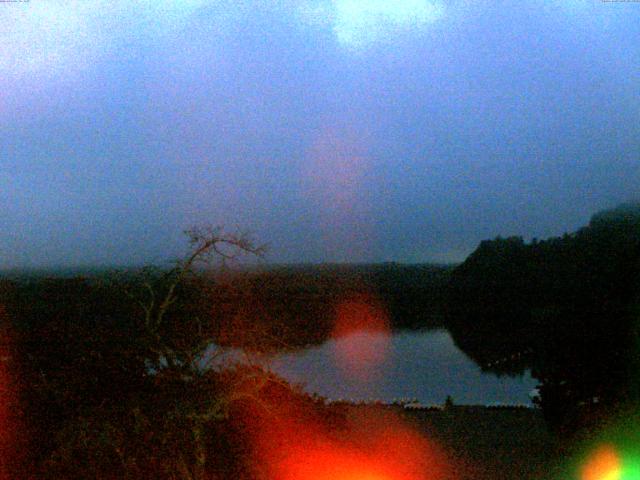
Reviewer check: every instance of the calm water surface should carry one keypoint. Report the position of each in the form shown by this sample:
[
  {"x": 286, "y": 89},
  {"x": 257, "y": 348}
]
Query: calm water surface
[{"x": 424, "y": 365}]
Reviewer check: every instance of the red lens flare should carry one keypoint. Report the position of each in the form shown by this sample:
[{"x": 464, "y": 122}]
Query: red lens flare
[
  {"x": 335, "y": 182},
  {"x": 376, "y": 446},
  {"x": 362, "y": 336},
  {"x": 336, "y": 166}
]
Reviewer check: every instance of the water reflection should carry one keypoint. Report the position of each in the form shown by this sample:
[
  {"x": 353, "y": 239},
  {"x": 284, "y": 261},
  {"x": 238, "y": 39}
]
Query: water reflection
[{"x": 424, "y": 365}]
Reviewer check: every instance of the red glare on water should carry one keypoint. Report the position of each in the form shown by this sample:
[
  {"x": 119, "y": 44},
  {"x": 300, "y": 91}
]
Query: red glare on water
[
  {"x": 362, "y": 336},
  {"x": 294, "y": 437}
]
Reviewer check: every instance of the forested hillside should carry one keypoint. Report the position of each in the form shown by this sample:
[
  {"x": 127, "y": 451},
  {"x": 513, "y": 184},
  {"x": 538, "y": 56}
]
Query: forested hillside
[{"x": 566, "y": 307}]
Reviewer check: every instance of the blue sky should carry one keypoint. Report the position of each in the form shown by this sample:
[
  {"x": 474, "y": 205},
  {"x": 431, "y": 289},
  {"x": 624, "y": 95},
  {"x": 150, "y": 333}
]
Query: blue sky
[{"x": 336, "y": 130}]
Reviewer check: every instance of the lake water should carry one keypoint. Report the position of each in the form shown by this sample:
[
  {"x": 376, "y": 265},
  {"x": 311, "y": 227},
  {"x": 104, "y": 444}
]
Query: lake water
[{"x": 425, "y": 365}]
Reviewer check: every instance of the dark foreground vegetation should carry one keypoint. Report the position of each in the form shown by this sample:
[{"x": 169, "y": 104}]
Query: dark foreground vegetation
[
  {"x": 492, "y": 443},
  {"x": 113, "y": 375}
]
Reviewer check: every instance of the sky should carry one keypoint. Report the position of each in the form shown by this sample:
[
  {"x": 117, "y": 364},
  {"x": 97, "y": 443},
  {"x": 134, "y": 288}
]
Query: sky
[{"x": 332, "y": 130}]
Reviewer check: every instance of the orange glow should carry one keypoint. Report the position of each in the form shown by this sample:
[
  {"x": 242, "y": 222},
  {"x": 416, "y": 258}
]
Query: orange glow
[
  {"x": 329, "y": 463},
  {"x": 362, "y": 336},
  {"x": 375, "y": 445},
  {"x": 360, "y": 458},
  {"x": 604, "y": 464}
]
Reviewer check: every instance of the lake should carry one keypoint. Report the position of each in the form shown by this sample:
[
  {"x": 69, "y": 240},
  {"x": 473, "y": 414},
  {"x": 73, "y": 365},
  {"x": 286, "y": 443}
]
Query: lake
[{"x": 425, "y": 365}]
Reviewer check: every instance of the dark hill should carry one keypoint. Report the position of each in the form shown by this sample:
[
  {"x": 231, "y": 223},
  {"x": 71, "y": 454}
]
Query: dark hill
[{"x": 565, "y": 307}]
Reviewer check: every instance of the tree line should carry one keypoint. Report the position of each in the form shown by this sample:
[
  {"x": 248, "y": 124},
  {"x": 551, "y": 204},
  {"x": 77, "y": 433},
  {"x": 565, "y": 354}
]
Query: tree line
[
  {"x": 566, "y": 307},
  {"x": 113, "y": 376}
]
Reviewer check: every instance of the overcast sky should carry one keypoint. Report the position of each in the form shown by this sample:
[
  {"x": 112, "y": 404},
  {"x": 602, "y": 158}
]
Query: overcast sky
[{"x": 335, "y": 130}]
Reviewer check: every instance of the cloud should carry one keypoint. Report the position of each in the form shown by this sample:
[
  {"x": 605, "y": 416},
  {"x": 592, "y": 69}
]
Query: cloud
[
  {"x": 47, "y": 38},
  {"x": 41, "y": 35},
  {"x": 357, "y": 23}
]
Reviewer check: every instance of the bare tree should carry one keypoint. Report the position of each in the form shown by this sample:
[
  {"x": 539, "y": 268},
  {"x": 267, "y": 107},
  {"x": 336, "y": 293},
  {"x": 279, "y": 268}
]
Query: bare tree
[
  {"x": 210, "y": 248},
  {"x": 193, "y": 360}
]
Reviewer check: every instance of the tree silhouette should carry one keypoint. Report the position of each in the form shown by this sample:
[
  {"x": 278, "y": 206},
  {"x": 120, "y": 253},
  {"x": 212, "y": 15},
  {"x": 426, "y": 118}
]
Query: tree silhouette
[
  {"x": 118, "y": 374},
  {"x": 565, "y": 307}
]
